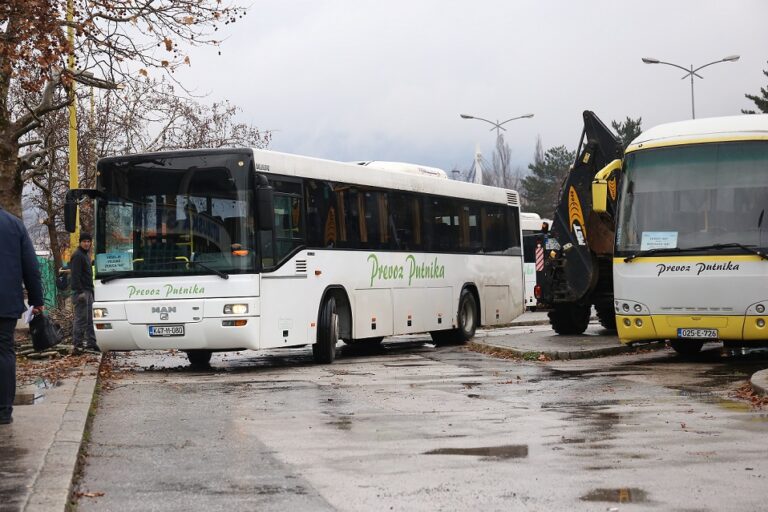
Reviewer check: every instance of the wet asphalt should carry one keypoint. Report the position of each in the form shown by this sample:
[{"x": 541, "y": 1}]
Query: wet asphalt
[{"x": 413, "y": 427}]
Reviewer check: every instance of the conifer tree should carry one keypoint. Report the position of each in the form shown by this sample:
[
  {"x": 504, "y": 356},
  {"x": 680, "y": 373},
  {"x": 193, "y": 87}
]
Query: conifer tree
[
  {"x": 761, "y": 102},
  {"x": 541, "y": 188}
]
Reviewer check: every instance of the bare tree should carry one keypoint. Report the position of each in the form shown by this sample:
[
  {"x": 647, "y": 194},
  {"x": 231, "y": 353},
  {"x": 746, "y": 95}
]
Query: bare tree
[
  {"x": 116, "y": 41},
  {"x": 501, "y": 174},
  {"x": 148, "y": 117}
]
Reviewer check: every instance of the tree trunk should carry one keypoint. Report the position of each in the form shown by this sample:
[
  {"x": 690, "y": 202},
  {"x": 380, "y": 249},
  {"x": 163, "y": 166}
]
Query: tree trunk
[{"x": 11, "y": 185}]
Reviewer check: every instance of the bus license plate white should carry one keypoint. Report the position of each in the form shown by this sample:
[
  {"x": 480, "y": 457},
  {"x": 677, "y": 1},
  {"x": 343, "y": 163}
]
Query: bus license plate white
[
  {"x": 166, "y": 330},
  {"x": 697, "y": 333}
]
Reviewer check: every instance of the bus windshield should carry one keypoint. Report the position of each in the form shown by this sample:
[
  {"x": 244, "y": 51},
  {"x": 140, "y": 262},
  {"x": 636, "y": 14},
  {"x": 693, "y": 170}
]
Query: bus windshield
[
  {"x": 694, "y": 196},
  {"x": 174, "y": 216}
]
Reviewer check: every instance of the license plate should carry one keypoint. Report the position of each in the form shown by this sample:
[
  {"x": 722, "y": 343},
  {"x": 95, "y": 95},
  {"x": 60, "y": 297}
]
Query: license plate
[
  {"x": 697, "y": 333},
  {"x": 166, "y": 330}
]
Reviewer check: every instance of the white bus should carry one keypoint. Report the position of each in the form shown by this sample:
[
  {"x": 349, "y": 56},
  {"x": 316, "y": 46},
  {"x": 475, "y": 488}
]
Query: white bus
[
  {"x": 533, "y": 237},
  {"x": 692, "y": 233},
  {"x": 221, "y": 250}
]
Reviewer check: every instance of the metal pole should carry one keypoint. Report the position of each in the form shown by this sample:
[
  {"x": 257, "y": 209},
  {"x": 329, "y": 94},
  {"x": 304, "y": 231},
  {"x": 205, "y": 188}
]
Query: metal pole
[
  {"x": 693, "y": 108},
  {"x": 73, "y": 177}
]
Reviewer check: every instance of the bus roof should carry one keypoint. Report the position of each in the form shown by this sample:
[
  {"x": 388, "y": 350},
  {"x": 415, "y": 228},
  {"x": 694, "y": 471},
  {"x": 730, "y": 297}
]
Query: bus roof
[
  {"x": 382, "y": 176},
  {"x": 694, "y": 131},
  {"x": 379, "y": 176}
]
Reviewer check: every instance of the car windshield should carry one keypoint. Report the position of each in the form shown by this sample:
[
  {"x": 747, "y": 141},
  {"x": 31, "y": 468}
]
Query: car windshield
[
  {"x": 161, "y": 216},
  {"x": 694, "y": 196}
]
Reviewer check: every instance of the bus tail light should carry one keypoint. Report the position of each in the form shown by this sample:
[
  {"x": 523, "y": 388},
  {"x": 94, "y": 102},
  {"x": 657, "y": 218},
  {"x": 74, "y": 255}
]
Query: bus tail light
[{"x": 537, "y": 291}]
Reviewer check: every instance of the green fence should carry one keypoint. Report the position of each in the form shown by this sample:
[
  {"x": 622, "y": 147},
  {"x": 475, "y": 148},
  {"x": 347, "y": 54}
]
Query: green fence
[{"x": 48, "y": 276}]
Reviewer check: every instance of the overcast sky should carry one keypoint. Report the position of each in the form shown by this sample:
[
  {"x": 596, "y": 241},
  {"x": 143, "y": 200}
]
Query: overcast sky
[{"x": 386, "y": 80}]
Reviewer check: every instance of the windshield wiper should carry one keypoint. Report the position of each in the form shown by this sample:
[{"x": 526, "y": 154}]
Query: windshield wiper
[
  {"x": 649, "y": 252},
  {"x": 748, "y": 248},
  {"x": 117, "y": 276},
  {"x": 219, "y": 273}
]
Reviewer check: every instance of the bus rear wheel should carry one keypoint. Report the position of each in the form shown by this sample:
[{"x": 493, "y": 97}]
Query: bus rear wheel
[
  {"x": 467, "y": 320},
  {"x": 199, "y": 357},
  {"x": 569, "y": 318},
  {"x": 324, "y": 349},
  {"x": 687, "y": 348}
]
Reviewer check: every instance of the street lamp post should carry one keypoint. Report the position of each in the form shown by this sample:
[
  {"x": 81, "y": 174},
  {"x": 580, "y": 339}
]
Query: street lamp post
[
  {"x": 498, "y": 126},
  {"x": 691, "y": 72}
]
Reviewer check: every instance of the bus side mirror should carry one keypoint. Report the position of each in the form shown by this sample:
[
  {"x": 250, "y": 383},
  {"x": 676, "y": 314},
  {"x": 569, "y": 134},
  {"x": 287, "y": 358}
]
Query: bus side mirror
[
  {"x": 600, "y": 186},
  {"x": 265, "y": 211},
  {"x": 70, "y": 213}
]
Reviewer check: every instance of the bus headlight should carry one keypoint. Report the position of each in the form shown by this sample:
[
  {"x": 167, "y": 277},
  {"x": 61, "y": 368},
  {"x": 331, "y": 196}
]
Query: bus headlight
[
  {"x": 638, "y": 322},
  {"x": 760, "y": 308},
  {"x": 760, "y": 322},
  {"x": 99, "y": 312},
  {"x": 236, "y": 309},
  {"x": 625, "y": 307},
  {"x": 627, "y": 322}
]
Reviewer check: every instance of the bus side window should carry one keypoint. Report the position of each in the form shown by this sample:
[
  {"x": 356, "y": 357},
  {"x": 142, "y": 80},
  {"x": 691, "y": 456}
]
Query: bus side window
[{"x": 495, "y": 233}]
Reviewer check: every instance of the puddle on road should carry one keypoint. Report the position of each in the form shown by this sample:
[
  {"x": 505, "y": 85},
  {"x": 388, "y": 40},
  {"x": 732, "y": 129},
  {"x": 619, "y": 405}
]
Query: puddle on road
[
  {"x": 621, "y": 495},
  {"x": 511, "y": 451}
]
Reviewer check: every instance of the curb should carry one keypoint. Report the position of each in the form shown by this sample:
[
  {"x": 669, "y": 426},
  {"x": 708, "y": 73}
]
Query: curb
[
  {"x": 52, "y": 485},
  {"x": 759, "y": 381},
  {"x": 557, "y": 355}
]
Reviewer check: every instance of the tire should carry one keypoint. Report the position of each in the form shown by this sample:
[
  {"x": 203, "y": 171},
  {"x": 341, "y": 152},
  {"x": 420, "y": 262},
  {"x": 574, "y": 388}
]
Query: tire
[
  {"x": 687, "y": 348},
  {"x": 466, "y": 317},
  {"x": 324, "y": 349},
  {"x": 569, "y": 318},
  {"x": 199, "y": 358},
  {"x": 607, "y": 317}
]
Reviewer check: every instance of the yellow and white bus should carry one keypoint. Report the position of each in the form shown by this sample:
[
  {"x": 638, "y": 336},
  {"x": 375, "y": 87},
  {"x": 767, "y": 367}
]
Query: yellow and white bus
[
  {"x": 692, "y": 233},
  {"x": 217, "y": 250}
]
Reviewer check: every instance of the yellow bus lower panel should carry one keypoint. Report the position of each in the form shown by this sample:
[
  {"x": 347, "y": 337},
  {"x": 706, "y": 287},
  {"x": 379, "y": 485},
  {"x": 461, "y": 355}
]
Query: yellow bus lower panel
[{"x": 662, "y": 327}]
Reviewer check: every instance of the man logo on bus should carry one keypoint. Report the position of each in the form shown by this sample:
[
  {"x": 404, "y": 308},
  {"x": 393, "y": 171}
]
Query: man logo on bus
[{"x": 164, "y": 309}]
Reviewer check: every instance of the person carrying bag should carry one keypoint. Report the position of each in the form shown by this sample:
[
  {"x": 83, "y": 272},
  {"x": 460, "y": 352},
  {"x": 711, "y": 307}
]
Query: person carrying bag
[{"x": 45, "y": 334}]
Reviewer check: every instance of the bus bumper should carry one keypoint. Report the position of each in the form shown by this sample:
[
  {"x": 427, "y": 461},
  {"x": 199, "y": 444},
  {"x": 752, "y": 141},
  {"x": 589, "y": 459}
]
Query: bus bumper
[
  {"x": 209, "y": 333},
  {"x": 633, "y": 328}
]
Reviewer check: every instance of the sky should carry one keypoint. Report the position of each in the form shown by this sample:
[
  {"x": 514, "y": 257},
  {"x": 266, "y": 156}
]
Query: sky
[{"x": 371, "y": 80}]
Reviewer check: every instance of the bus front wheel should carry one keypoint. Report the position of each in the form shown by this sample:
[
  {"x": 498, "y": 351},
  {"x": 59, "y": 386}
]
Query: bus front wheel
[
  {"x": 687, "y": 348},
  {"x": 324, "y": 349},
  {"x": 199, "y": 358}
]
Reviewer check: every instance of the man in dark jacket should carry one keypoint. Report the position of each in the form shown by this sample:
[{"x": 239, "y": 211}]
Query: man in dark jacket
[
  {"x": 81, "y": 281},
  {"x": 18, "y": 264}
]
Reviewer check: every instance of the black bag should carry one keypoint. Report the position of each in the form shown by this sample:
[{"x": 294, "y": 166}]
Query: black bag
[{"x": 45, "y": 334}]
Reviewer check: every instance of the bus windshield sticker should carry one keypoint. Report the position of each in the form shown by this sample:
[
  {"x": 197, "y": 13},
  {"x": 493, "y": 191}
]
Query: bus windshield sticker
[
  {"x": 658, "y": 240},
  {"x": 114, "y": 262}
]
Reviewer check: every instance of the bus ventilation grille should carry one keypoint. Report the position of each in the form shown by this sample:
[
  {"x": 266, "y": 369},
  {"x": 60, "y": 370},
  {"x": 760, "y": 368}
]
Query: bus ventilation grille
[
  {"x": 301, "y": 266},
  {"x": 512, "y": 199}
]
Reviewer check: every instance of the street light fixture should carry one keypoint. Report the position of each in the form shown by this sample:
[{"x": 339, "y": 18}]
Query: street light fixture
[
  {"x": 691, "y": 72},
  {"x": 498, "y": 126}
]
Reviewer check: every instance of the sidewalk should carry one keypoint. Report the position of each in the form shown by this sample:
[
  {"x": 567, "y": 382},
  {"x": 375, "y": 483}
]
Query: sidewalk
[
  {"x": 540, "y": 341},
  {"x": 38, "y": 451}
]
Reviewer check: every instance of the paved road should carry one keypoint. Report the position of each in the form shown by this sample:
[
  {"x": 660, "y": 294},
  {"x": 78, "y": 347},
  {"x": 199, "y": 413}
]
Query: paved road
[{"x": 411, "y": 427}]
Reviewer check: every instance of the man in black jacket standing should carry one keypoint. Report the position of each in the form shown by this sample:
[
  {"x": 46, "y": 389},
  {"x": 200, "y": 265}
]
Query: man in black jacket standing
[
  {"x": 18, "y": 263},
  {"x": 83, "y": 336}
]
